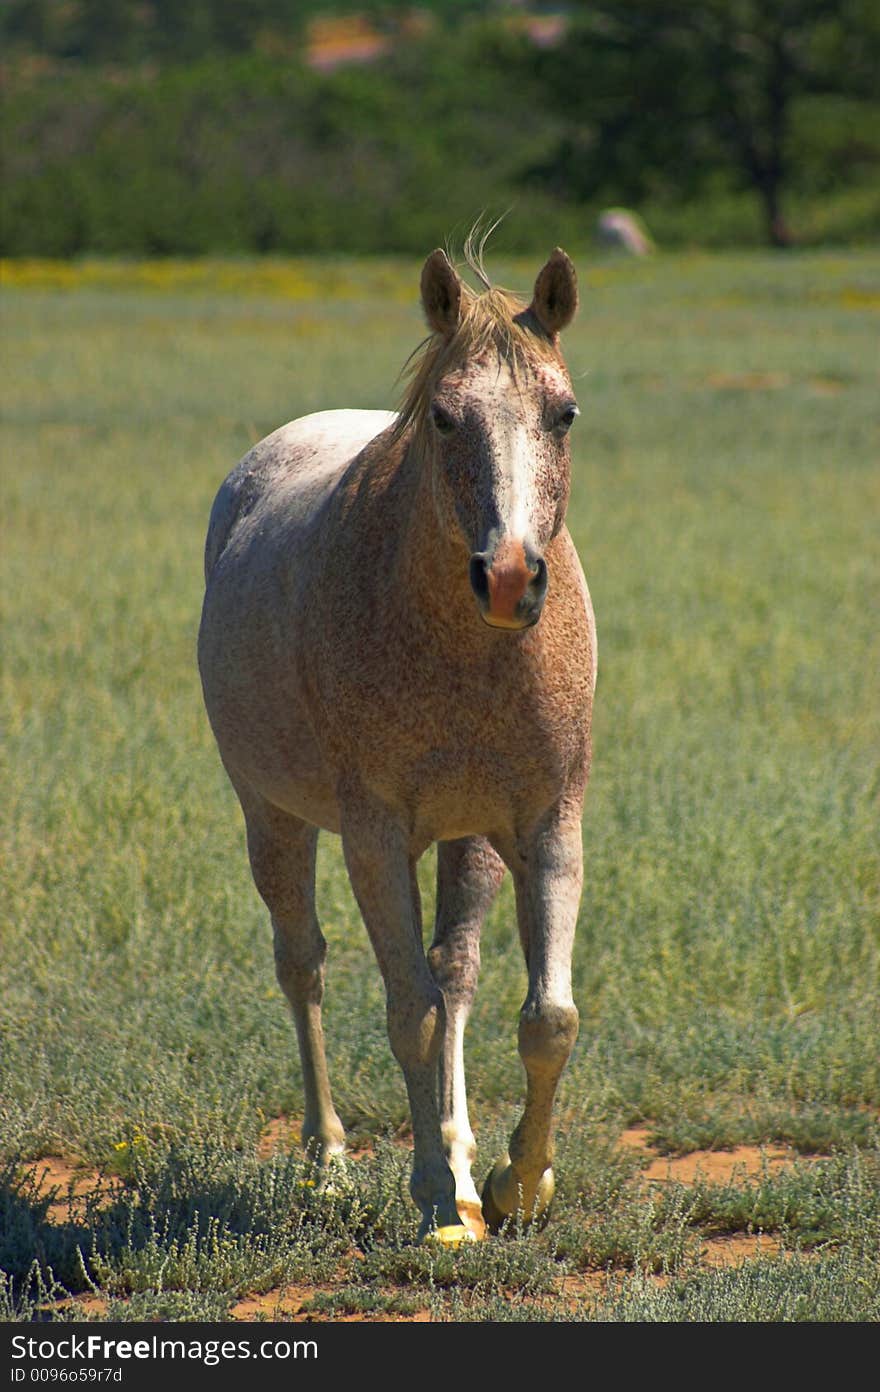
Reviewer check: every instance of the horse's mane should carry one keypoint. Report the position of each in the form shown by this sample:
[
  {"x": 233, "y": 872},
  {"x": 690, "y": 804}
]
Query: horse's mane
[{"x": 493, "y": 320}]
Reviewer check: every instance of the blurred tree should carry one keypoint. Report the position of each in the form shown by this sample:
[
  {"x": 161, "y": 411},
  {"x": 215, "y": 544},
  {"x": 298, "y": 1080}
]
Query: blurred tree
[
  {"x": 28, "y": 21},
  {"x": 121, "y": 31},
  {"x": 107, "y": 30},
  {"x": 669, "y": 91}
]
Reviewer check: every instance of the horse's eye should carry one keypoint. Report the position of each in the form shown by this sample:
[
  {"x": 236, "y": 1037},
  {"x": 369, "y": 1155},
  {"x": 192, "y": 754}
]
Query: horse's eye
[
  {"x": 565, "y": 419},
  {"x": 442, "y": 420}
]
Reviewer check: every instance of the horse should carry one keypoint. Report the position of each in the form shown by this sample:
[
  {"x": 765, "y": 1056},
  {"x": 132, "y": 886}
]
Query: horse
[{"x": 397, "y": 645}]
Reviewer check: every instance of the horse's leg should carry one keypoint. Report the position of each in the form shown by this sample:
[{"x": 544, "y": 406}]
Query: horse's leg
[
  {"x": 548, "y": 874},
  {"x": 382, "y": 876},
  {"x": 282, "y": 855},
  {"x": 468, "y": 875}
]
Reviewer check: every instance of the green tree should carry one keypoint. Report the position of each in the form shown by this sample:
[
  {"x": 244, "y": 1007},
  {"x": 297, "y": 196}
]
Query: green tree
[
  {"x": 662, "y": 91},
  {"x": 123, "y": 31}
]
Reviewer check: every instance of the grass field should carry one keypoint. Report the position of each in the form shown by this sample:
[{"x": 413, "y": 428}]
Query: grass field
[{"x": 725, "y": 504}]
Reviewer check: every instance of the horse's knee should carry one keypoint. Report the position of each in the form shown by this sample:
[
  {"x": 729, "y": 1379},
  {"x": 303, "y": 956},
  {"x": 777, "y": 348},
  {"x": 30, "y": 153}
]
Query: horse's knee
[
  {"x": 547, "y": 1032},
  {"x": 415, "y": 1027},
  {"x": 299, "y": 961},
  {"x": 455, "y": 964}
]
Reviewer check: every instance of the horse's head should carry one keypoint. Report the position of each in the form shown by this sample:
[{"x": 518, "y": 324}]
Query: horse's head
[{"x": 493, "y": 404}]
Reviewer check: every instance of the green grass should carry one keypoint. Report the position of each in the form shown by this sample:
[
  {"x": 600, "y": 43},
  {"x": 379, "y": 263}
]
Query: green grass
[{"x": 727, "y": 966}]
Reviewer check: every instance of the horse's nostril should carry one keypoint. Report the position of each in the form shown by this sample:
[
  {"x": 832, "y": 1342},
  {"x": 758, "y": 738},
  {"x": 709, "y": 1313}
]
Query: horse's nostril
[
  {"x": 539, "y": 583},
  {"x": 479, "y": 573}
]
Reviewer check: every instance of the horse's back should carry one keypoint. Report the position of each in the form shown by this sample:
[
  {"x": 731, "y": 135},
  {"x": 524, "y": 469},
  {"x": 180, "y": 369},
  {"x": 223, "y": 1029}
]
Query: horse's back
[{"x": 290, "y": 471}]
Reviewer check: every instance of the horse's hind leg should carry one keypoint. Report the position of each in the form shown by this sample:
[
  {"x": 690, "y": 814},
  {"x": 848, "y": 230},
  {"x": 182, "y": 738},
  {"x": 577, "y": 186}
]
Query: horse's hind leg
[
  {"x": 282, "y": 855},
  {"x": 468, "y": 875}
]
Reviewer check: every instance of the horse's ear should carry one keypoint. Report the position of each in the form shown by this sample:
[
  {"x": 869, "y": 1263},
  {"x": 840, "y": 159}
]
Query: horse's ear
[
  {"x": 441, "y": 293},
  {"x": 555, "y": 300}
]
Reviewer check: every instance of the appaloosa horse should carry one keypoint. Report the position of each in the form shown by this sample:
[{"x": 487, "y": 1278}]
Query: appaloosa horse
[{"x": 397, "y": 645}]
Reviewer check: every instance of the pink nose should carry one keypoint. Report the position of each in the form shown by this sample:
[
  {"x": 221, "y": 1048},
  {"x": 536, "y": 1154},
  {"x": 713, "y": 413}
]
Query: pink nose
[
  {"x": 509, "y": 591},
  {"x": 508, "y": 579}
]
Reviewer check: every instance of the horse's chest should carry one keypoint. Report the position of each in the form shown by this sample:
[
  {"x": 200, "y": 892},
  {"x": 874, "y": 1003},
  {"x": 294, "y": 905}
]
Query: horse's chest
[
  {"x": 461, "y": 790},
  {"x": 463, "y": 747}
]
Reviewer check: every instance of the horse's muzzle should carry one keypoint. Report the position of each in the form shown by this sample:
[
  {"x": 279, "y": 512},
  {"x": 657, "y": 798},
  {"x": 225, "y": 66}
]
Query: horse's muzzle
[{"x": 510, "y": 585}]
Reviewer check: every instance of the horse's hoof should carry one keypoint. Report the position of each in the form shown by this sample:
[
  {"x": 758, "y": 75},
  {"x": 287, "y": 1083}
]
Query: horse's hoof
[
  {"x": 497, "y": 1210},
  {"x": 451, "y": 1235},
  {"x": 492, "y": 1214},
  {"x": 543, "y": 1199},
  {"x": 472, "y": 1228},
  {"x": 471, "y": 1215},
  {"x": 328, "y": 1176}
]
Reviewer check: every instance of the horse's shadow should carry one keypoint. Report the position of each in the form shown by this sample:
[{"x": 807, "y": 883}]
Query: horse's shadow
[
  {"x": 47, "y": 1257},
  {"x": 42, "y": 1256}
]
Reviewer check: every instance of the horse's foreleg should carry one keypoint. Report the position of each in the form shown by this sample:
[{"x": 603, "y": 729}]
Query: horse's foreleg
[
  {"x": 382, "y": 877},
  {"x": 548, "y": 887},
  {"x": 282, "y": 855},
  {"x": 468, "y": 875}
]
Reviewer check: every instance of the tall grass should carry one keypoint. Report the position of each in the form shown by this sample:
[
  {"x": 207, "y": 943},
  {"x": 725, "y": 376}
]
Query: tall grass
[{"x": 724, "y": 503}]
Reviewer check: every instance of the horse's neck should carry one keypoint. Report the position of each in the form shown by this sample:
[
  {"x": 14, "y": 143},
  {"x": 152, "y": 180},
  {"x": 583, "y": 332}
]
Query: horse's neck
[
  {"x": 433, "y": 559},
  {"x": 387, "y": 507},
  {"x": 409, "y": 564}
]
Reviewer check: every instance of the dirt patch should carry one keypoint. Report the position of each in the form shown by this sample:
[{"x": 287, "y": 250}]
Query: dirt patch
[
  {"x": 279, "y": 1134},
  {"x": 82, "y": 1307},
  {"x": 294, "y": 1304},
  {"x": 74, "y": 1184},
  {"x": 583, "y": 1284},
  {"x": 736, "y": 1248},
  {"x": 713, "y": 1166},
  {"x": 283, "y": 1303},
  {"x": 283, "y": 1135},
  {"x": 420, "y": 1317}
]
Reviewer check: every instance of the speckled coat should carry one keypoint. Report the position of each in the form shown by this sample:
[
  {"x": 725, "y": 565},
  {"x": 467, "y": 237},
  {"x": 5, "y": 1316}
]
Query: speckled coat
[{"x": 397, "y": 645}]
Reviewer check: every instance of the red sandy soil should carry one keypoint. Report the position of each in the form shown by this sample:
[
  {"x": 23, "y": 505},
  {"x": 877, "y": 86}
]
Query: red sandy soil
[
  {"x": 713, "y": 1166},
  {"x": 73, "y": 1184}
]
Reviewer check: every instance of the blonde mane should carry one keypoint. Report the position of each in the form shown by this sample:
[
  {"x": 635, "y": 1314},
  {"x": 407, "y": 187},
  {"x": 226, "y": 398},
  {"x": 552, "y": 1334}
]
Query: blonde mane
[{"x": 493, "y": 320}]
